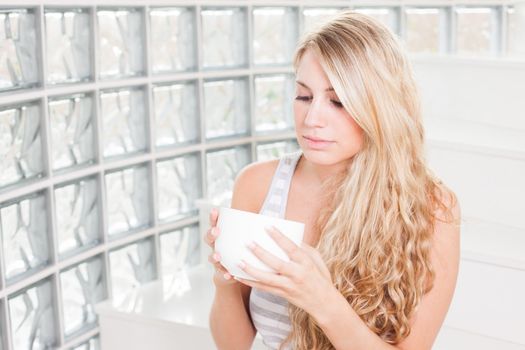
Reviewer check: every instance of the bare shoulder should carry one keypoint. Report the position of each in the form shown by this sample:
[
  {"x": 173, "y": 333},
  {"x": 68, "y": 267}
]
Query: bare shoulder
[
  {"x": 444, "y": 258},
  {"x": 447, "y": 228},
  {"x": 446, "y": 236},
  {"x": 252, "y": 184},
  {"x": 450, "y": 210}
]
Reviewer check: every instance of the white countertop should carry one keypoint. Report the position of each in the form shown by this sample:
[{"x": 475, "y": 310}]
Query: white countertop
[
  {"x": 184, "y": 298},
  {"x": 173, "y": 303}
]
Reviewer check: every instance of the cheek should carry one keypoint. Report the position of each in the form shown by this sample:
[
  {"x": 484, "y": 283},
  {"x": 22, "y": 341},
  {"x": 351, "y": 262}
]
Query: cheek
[
  {"x": 355, "y": 135},
  {"x": 297, "y": 109}
]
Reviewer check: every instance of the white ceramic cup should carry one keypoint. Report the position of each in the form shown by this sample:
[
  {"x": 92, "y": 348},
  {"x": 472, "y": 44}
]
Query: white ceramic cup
[{"x": 238, "y": 228}]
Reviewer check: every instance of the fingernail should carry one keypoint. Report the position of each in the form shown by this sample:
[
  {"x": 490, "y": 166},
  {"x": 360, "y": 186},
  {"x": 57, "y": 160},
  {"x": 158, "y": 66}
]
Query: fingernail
[
  {"x": 217, "y": 257},
  {"x": 270, "y": 228},
  {"x": 251, "y": 245},
  {"x": 270, "y": 231},
  {"x": 215, "y": 231}
]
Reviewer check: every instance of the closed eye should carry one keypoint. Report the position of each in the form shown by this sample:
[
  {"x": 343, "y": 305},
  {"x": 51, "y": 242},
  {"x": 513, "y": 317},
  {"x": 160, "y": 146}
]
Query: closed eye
[
  {"x": 303, "y": 98},
  {"x": 308, "y": 98},
  {"x": 337, "y": 103}
]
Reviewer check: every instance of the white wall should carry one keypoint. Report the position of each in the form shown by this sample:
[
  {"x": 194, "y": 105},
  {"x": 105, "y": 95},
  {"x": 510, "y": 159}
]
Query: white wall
[
  {"x": 476, "y": 143},
  {"x": 479, "y": 90}
]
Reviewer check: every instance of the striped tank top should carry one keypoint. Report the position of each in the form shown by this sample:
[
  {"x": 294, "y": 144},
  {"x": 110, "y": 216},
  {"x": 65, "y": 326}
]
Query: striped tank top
[{"x": 269, "y": 312}]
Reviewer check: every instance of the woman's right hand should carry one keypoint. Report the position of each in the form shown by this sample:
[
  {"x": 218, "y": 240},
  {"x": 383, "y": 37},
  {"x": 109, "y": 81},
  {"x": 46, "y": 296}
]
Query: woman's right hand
[{"x": 222, "y": 276}]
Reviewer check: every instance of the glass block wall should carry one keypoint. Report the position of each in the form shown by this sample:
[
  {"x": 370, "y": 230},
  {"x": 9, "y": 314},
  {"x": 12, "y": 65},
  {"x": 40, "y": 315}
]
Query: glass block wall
[{"x": 115, "y": 118}]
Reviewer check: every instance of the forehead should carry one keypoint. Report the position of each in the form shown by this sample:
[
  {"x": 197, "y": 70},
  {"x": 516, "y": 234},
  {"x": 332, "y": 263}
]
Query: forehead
[{"x": 311, "y": 74}]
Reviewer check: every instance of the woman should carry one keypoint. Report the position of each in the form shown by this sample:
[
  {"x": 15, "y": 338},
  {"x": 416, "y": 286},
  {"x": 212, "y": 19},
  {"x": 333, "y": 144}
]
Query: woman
[{"x": 378, "y": 265}]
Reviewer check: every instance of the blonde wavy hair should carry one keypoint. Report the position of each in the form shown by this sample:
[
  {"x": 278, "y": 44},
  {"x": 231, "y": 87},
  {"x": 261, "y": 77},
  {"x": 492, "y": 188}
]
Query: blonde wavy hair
[{"x": 376, "y": 237}]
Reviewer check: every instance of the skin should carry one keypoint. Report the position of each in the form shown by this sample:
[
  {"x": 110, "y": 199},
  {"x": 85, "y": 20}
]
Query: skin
[
  {"x": 304, "y": 280},
  {"x": 319, "y": 113}
]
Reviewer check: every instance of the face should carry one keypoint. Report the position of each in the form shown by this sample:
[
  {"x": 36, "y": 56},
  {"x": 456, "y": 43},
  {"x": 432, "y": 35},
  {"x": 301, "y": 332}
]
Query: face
[{"x": 319, "y": 115}]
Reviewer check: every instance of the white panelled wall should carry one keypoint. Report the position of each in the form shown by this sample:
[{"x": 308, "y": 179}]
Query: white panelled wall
[{"x": 476, "y": 131}]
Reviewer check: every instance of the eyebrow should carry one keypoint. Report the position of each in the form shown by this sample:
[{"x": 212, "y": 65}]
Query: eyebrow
[{"x": 306, "y": 86}]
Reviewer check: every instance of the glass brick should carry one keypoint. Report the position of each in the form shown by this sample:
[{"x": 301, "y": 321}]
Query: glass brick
[
  {"x": 176, "y": 114},
  {"x": 423, "y": 29},
  {"x": 82, "y": 287},
  {"x": 221, "y": 169},
  {"x": 123, "y": 114},
  {"x": 313, "y": 17},
  {"x": 273, "y": 102},
  {"x": 25, "y": 236},
  {"x": 18, "y": 49},
  {"x": 173, "y": 39},
  {"x": 226, "y": 107},
  {"x": 72, "y": 131},
  {"x": 128, "y": 200},
  {"x": 20, "y": 144},
  {"x": 120, "y": 43},
  {"x": 33, "y": 317},
  {"x": 274, "y": 150},
  {"x": 179, "y": 185},
  {"x": 224, "y": 37},
  {"x": 91, "y": 344},
  {"x": 388, "y": 16},
  {"x": 275, "y": 33},
  {"x": 180, "y": 249},
  {"x": 131, "y": 266},
  {"x": 475, "y": 30},
  {"x": 516, "y": 29},
  {"x": 2, "y": 325},
  {"x": 77, "y": 216},
  {"x": 68, "y": 45}
]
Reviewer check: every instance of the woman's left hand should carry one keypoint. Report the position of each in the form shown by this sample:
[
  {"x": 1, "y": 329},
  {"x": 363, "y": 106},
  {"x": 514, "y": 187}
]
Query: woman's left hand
[{"x": 304, "y": 281}]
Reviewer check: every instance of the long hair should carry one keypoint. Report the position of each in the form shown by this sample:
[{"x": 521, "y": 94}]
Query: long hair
[{"x": 376, "y": 236}]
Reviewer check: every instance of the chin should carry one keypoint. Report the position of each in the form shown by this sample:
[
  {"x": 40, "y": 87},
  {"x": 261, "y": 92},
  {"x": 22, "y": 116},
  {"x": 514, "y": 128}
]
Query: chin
[{"x": 318, "y": 156}]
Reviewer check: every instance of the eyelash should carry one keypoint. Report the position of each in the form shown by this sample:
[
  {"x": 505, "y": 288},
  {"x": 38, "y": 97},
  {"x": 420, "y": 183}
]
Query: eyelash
[{"x": 307, "y": 98}]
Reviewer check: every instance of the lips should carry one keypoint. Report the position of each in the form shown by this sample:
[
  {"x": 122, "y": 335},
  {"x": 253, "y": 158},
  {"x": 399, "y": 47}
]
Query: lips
[{"x": 315, "y": 139}]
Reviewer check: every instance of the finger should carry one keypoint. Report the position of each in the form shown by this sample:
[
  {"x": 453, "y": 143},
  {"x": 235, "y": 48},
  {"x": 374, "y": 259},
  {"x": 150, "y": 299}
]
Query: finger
[
  {"x": 214, "y": 258},
  {"x": 207, "y": 238},
  {"x": 317, "y": 259},
  {"x": 278, "y": 265},
  {"x": 291, "y": 249},
  {"x": 219, "y": 268},
  {"x": 224, "y": 274},
  {"x": 261, "y": 286},
  {"x": 214, "y": 215},
  {"x": 264, "y": 277},
  {"x": 211, "y": 236}
]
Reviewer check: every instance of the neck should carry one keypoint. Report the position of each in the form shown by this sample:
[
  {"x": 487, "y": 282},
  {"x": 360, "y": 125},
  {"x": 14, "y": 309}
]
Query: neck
[{"x": 318, "y": 174}]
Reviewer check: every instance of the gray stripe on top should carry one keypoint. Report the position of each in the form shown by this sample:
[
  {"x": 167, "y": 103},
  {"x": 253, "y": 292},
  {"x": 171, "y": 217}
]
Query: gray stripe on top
[
  {"x": 275, "y": 330},
  {"x": 272, "y": 298},
  {"x": 273, "y": 340},
  {"x": 267, "y": 313}
]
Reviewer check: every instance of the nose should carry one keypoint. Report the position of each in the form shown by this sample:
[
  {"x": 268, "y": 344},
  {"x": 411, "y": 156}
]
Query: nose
[{"x": 315, "y": 114}]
